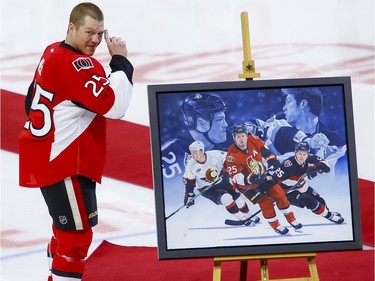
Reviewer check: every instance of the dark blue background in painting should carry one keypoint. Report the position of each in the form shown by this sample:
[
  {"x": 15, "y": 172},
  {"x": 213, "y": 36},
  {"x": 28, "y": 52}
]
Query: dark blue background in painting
[{"x": 243, "y": 105}]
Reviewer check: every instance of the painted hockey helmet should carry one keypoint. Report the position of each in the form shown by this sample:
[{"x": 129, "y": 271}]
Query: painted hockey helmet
[
  {"x": 239, "y": 128},
  {"x": 303, "y": 145},
  {"x": 254, "y": 127},
  {"x": 197, "y": 146},
  {"x": 202, "y": 105}
]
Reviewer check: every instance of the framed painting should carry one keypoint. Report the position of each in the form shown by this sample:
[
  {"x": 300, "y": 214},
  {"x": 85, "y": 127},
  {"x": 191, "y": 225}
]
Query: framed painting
[{"x": 207, "y": 207}]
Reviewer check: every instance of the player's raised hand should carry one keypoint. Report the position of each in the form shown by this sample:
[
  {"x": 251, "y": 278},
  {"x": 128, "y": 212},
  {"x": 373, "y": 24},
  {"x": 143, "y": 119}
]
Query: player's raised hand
[{"x": 116, "y": 46}]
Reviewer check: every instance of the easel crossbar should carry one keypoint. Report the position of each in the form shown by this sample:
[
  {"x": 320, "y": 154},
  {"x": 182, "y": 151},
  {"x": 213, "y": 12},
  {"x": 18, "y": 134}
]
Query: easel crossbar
[{"x": 263, "y": 259}]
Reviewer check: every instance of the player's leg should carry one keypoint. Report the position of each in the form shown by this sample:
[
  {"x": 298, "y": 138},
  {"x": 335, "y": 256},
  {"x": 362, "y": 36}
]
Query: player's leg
[
  {"x": 230, "y": 205},
  {"x": 278, "y": 194},
  {"x": 268, "y": 211},
  {"x": 242, "y": 205},
  {"x": 51, "y": 252},
  {"x": 317, "y": 205},
  {"x": 72, "y": 248},
  {"x": 72, "y": 206}
]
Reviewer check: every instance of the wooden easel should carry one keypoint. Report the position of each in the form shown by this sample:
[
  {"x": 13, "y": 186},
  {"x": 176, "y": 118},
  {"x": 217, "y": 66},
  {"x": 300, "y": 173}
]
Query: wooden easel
[
  {"x": 248, "y": 69},
  {"x": 263, "y": 259}
]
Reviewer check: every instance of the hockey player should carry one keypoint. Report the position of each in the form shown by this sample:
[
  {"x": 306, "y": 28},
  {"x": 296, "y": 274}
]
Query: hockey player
[
  {"x": 62, "y": 146},
  {"x": 203, "y": 171},
  {"x": 244, "y": 163},
  {"x": 298, "y": 122},
  {"x": 204, "y": 117},
  {"x": 293, "y": 175}
]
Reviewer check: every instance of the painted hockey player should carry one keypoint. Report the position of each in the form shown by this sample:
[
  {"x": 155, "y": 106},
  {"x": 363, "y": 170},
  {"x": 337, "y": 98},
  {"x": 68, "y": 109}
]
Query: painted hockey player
[
  {"x": 204, "y": 117},
  {"x": 244, "y": 163},
  {"x": 204, "y": 173},
  {"x": 300, "y": 121},
  {"x": 293, "y": 175}
]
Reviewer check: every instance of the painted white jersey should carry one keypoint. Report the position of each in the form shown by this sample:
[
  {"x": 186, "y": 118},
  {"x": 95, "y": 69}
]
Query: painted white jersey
[{"x": 205, "y": 173}]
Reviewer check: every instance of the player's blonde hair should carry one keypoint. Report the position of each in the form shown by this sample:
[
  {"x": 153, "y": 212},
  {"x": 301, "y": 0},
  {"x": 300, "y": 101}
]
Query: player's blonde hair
[{"x": 79, "y": 12}]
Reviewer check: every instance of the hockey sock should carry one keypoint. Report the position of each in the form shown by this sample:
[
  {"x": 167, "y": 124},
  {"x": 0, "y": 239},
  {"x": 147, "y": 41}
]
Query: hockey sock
[
  {"x": 274, "y": 223},
  {"x": 322, "y": 210},
  {"x": 231, "y": 206},
  {"x": 242, "y": 206},
  {"x": 71, "y": 251},
  {"x": 289, "y": 217},
  {"x": 51, "y": 251}
]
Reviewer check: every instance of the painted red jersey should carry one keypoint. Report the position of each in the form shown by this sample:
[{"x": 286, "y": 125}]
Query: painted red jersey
[
  {"x": 69, "y": 100},
  {"x": 241, "y": 164}
]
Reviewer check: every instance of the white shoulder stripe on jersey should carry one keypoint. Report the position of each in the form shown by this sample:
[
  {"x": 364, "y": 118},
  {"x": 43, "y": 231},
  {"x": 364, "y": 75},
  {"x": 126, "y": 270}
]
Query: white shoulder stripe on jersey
[{"x": 70, "y": 122}]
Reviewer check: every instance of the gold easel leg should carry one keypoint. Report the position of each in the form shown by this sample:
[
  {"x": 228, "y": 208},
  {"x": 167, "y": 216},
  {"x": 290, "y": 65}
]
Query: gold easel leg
[
  {"x": 264, "y": 269},
  {"x": 313, "y": 269},
  {"x": 217, "y": 271}
]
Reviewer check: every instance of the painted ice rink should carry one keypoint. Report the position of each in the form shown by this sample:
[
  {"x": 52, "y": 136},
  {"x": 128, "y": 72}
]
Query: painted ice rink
[{"x": 175, "y": 41}]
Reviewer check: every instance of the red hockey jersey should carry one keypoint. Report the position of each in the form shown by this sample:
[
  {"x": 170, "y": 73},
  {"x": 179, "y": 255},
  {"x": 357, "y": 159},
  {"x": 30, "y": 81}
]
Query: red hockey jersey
[
  {"x": 67, "y": 105},
  {"x": 241, "y": 164}
]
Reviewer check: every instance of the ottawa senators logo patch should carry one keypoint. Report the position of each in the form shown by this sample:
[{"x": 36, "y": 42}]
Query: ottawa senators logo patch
[
  {"x": 230, "y": 159},
  {"x": 288, "y": 163},
  {"x": 256, "y": 167},
  {"x": 211, "y": 174},
  {"x": 82, "y": 63}
]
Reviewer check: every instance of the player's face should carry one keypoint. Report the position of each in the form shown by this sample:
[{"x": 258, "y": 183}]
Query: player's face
[
  {"x": 218, "y": 131},
  {"x": 197, "y": 155},
  {"x": 241, "y": 140},
  {"x": 291, "y": 109},
  {"x": 87, "y": 37},
  {"x": 301, "y": 156}
]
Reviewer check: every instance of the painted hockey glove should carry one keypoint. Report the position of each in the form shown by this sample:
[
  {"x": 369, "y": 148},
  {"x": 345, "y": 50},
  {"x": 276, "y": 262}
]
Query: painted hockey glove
[
  {"x": 189, "y": 199},
  {"x": 312, "y": 171},
  {"x": 255, "y": 179},
  {"x": 273, "y": 163}
]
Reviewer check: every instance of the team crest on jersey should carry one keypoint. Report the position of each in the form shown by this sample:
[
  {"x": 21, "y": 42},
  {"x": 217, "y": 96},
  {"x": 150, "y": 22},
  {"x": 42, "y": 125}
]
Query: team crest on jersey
[
  {"x": 256, "y": 167},
  {"x": 288, "y": 163},
  {"x": 82, "y": 63},
  {"x": 211, "y": 174},
  {"x": 230, "y": 159}
]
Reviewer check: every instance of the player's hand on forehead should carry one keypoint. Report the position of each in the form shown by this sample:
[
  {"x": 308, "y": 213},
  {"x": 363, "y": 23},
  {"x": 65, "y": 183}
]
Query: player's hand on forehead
[{"x": 116, "y": 46}]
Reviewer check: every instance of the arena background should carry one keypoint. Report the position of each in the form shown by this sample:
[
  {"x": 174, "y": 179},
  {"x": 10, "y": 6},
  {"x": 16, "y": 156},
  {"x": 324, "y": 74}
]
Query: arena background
[{"x": 176, "y": 41}]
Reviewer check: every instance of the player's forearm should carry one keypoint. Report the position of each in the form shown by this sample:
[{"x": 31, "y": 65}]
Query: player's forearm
[
  {"x": 122, "y": 86},
  {"x": 121, "y": 63}
]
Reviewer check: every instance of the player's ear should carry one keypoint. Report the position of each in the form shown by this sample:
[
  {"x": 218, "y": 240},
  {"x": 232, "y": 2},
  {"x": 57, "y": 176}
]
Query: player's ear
[
  {"x": 203, "y": 125},
  {"x": 71, "y": 27},
  {"x": 304, "y": 103}
]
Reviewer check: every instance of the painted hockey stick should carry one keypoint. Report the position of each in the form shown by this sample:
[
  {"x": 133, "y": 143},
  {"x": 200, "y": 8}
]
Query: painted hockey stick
[
  {"x": 296, "y": 185},
  {"x": 241, "y": 222},
  {"x": 195, "y": 197}
]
